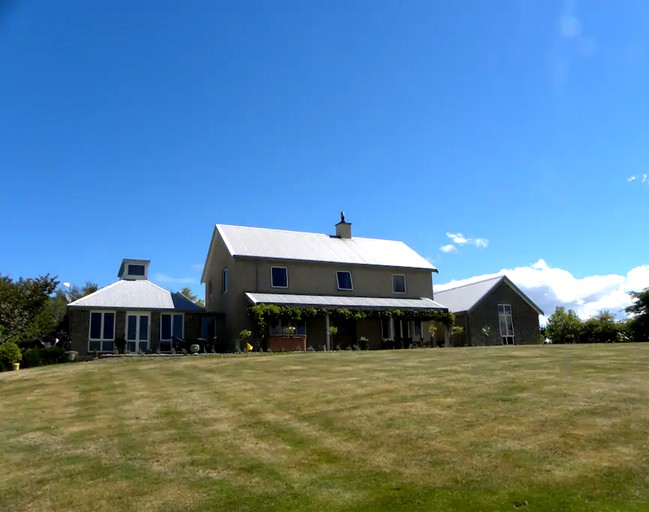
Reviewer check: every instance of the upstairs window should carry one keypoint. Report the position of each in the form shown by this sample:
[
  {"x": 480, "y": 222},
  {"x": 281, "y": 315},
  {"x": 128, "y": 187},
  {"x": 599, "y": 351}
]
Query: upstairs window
[
  {"x": 399, "y": 283},
  {"x": 506, "y": 324},
  {"x": 224, "y": 288},
  {"x": 279, "y": 277},
  {"x": 344, "y": 280}
]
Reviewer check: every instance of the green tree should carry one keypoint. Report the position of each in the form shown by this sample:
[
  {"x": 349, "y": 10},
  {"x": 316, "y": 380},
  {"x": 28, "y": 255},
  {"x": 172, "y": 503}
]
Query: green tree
[
  {"x": 639, "y": 312},
  {"x": 23, "y": 306},
  {"x": 602, "y": 328},
  {"x": 191, "y": 296},
  {"x": 563, "y": 326}
]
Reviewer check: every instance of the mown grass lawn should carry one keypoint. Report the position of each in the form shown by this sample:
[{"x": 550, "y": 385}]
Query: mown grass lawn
[{"x": 481, "y": 429}]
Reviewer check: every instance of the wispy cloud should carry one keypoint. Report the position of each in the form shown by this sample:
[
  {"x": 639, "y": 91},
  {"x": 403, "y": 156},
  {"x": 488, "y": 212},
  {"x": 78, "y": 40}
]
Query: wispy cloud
[
  {"x": 164, "y": 278},
  {"x": 550, "y": 287},
  {"x": 448, "y": 248},
  {"x": 459, "y": 240},
  {"x": 641, "y": 178}
]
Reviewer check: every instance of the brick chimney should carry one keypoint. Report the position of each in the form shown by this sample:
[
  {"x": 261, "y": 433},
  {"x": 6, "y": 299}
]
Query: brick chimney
[{"x": 343, "y": 229}]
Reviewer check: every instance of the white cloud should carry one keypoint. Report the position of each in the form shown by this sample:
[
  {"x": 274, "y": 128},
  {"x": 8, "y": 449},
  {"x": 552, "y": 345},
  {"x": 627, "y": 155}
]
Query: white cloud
[
  {"x": 460, "y": 239},
  {"x": 550, "y": 287},
  {"x": 641, "y": 178},
  {"x": 448, "y": 248},
  {"x": 164, "y": 278}
]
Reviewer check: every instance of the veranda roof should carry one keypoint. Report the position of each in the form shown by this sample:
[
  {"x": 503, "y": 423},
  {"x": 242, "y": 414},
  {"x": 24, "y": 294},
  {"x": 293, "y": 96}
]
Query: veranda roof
[{"x": 337, "y": 301}]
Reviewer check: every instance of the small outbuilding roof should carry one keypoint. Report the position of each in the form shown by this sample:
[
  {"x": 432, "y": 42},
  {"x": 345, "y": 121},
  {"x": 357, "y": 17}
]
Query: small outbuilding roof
[
  {"x": 466, "y": 297},
  {"x": 338, "y": 301},
  {"x": 139, "y": 294},
  {"x": 249, "y": 242}
]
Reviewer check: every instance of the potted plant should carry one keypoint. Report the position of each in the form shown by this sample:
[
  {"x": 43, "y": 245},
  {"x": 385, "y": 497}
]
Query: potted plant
[
  {"x": 364, "y": 343},
  {"x": 289, "y": 330},
  {"x": 245, "y": 336},
  {"x": 333, "y": 330},
  {"x": 10, "y": 355}
]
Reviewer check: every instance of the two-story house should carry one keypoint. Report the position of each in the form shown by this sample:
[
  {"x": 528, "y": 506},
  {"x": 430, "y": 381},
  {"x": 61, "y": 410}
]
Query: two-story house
[{"x": 246, "y": 266}]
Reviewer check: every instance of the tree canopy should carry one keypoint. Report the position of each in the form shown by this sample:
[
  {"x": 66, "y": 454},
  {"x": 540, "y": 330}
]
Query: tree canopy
[
  {"x": 639, "y": 311},
  {"x": 24, "y": 307},
  {"x": 187, "y": 292}
]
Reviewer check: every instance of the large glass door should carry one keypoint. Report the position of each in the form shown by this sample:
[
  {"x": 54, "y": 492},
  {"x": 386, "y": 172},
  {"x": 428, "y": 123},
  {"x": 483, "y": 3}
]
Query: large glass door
[{"x": 137, "y": 332}]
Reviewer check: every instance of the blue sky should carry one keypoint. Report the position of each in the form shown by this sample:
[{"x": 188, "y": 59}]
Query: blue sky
[{"x": 514, "y": 131}]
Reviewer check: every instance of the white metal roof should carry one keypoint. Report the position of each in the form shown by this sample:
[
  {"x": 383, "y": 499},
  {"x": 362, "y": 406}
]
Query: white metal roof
[
  {"x": 337, "y": 301},
  {"x": 466, "y": 297},
  {"x": 297, "y": 245},
  {"x": 138, "y": 294}
]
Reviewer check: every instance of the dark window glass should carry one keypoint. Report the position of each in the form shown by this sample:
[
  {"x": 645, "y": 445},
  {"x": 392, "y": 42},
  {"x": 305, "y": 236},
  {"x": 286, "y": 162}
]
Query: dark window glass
[
  {"x": 144, "y": 327},
  {"x": 178, "y": 326},
  {"x": 136, "y": 270},
  {"x": 344, "y": 280},
  {"x": 95, "y": 326},
  {"x": 279, "y": 277},
  {"x": 399, "y": 283},
  {"x": 165, "y": 327},
  {"x": 109, "y": 326},
  {"x": 225, "y": 280},
  {"x": 131, "y": 327}
]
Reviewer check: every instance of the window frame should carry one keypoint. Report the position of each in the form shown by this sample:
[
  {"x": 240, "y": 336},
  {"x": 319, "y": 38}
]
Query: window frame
[
  {"x": 225, "y": 280},
  {"x": 506, "y": 315},
  {"x": 137, "y": 266},
  {"x": 138, "y": 327},
  {"x": 102, "y": 340},
  {"x": 169, "y": 340},
  {"x": 351, "y": 281},
  {"x": 272, "y": 281},
  {"x": 405, "y": 285}
]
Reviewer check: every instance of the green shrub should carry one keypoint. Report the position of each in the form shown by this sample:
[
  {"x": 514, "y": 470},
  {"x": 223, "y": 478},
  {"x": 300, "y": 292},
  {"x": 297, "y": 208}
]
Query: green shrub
[
  {"x": 53, "y": 355},
  {"x": 32, "y": 358},
  {"x": 9, "y": 354}
]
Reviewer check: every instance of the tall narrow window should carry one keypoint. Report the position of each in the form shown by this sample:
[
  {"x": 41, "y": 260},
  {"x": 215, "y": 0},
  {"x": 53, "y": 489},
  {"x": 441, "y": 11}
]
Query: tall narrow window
[
  {"x": 279, "y": 277},
  {"x": 344, "y": 280},
  {"x": 506, "y": 323},
  {"x": 101, "y": 336},
  {"x": 399, "y": 283},
  {"x": 224, "y": 289},
  {"x": 171, "y": 324}
]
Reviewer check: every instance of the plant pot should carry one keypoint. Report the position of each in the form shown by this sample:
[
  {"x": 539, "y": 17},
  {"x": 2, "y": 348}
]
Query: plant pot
[
  {"x": 71, "y": 355},
  {"x": 15, "y": 366}
]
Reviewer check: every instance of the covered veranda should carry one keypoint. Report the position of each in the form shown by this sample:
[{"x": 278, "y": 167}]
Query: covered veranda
[{"x": 329, "y": 322}]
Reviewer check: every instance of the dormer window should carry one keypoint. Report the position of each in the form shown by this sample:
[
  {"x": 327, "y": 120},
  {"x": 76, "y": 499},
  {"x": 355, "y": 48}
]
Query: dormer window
[
  {"x": 344, "y": 280},
  {"x": 136, "y": 270},
  {"x": 133, "y": 269}
]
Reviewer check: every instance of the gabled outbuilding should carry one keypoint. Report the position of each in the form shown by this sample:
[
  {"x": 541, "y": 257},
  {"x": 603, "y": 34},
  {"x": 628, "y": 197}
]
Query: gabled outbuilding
[{"x": 493, "y": 311}]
